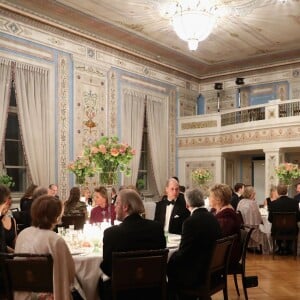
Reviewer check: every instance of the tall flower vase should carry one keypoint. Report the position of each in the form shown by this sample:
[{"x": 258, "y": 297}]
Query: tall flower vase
[
  {"x": 79, "y": 181},
  {"x": 108, "y": 179}
]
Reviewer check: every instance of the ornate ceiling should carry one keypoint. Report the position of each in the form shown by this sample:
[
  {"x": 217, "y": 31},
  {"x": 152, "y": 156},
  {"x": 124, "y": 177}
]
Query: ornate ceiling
[{"x": 266, "y": 36}]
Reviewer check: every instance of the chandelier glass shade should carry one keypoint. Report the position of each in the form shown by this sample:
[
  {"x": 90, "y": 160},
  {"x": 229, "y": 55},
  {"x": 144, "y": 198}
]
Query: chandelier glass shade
[
  {"x": 193, "y": 26},
  {"x": 194, "y": 20}
]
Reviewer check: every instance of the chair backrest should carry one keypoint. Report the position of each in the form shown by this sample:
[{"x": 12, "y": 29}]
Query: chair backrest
[
  {"x": 218, "y": 267},
  {"x": 284, "y": 222},
  {"x": 240, "y": 216},
  {"x": 245, "y": 238},
  {"x": 76, "y": 220},
  {"x": 139, "y": 270},
  {"x": 27, "y": 272}
]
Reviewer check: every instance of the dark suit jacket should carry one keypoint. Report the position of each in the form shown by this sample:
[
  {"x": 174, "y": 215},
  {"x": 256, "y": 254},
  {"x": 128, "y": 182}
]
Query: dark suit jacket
[
  {"x": 188, "y": 265},
  {"x": 178, "y": 215},
  {"x": 235, "y": 199},
  {"x": 284, "y": 204},
  {"x": 134, "y": 233},
  {"x": 297, "y": 197}
]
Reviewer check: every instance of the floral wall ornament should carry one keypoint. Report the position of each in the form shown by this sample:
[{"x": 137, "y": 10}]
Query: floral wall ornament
[{"x": 287, "y": 172}]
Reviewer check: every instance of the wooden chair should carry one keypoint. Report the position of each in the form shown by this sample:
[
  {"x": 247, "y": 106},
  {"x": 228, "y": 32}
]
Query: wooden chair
[
  {"x": 240, "y": 217},
  {"x": 216, "y": 278},
  {"x": 139, "y": 271},
  {"x": 240, "y": 268},
  {"x": 27, "y": 273},
  {"x": 285, "y": 228},
  {"x": 76, "y": 220}
]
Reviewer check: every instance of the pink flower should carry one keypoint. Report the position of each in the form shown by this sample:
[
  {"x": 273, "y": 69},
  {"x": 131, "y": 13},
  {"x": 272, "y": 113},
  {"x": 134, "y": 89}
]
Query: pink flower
[
  {"x": 114, "y": 152},
  {"x": 94, "y": 150},
  {"x": 133, "y": 151},
  {"x": 102, "y": 149}
]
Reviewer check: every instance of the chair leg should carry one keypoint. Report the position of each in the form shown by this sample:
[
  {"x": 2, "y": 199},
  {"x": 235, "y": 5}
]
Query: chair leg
[
  {"x": 225, "y": 293},
  {"x": 295, "y": 248},
  {"x": 273, "y": 247},
  {"x": 244, "y": 287},
  {"x": 236, "y": 284}
]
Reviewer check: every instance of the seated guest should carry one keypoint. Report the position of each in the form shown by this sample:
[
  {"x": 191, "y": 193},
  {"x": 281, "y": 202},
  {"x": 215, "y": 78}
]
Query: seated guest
[
  {"x": 297, "y": 196},
  {"x": 25, "y": 205},
  {"x": 102, "y": 211},
  {"x": 113, "y": 196},
  {"x": 73, "y": 206},
  {"x": 272, "y": 196},
  {"x": 53, "y": 190},
  {"x": 283, "y": 204},
  {"x": 219, "y": 198},
  {"x": 237, "y": 195},
  {"x": 189, "y": 264},
  {"x": 41, "y": 239},
  {"x": 171, "y": 211},
  {"x": 4, "y": 197},
  {"x": 134, "y": 233},
  {"x": 86, "y": 193},
  {"x": 252, "y": 218},
  {"x": 9, "y": 226}
]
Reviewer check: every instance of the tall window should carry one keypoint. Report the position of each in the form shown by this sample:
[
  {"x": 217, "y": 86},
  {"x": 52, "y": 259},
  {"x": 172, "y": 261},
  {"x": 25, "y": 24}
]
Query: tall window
[
  {"x": 14, "y": 159},
  {"x": 142, "y": 180}
]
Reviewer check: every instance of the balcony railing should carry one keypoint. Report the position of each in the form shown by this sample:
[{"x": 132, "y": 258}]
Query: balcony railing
[{"x": 243, "y": 116}]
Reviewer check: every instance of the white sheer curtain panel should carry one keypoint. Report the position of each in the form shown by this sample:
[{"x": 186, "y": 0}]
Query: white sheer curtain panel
[
  {"x": 132, "y": 128},
  {"x": 32, "y": 93},
  {"x": 157, "y": 116},
  {"x": 5, "y": 84}
]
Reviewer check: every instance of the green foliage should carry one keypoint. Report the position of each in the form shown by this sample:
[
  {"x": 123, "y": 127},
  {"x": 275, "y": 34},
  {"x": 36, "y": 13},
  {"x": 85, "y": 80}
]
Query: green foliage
[{"x": 7, "y": 180}]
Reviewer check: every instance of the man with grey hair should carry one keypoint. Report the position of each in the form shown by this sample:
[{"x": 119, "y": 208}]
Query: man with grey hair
[
  {"x": 134, "y": 233},
  {"x": 188, "y": 265}
]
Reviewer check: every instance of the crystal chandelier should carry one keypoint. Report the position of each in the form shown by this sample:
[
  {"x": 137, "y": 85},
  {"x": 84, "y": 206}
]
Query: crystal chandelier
[{"x": 194, "y": 20}]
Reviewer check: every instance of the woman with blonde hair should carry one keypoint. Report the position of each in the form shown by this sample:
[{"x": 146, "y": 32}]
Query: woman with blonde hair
[
  {"x": 252, "y": 218},
  {"x": 272, "y": 196}
]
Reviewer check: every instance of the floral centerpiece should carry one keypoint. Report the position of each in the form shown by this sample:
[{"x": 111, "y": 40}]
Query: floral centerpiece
[
  {"x": 287, "y": 172},
  {"x": 81, "y": 167},
  {"x": 201, "y": 176},
  {"x": 109, "y": 156}
]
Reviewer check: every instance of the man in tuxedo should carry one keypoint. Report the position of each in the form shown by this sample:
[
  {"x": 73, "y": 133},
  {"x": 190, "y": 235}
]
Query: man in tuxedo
[
  {"x": 283, "y": 204},
  {"x": 171, "y": 211},
  {"x": 297, "y": 196},
  {"x": 134, "y": 233},
  {"x": 189, "y": 264},
  {"x": 237, "y": 195}
]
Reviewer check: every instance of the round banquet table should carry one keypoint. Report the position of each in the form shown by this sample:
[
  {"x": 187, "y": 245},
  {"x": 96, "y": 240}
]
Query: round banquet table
[{"x": 88, "y": 272}]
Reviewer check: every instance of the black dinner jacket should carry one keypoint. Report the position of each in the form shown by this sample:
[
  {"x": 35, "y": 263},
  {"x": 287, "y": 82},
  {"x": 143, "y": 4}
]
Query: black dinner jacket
[
  {"x": 284, "y": 204},
  {"x": 188, "y": 265},
  {"x": 178, "y": 215},
  {"x": 134, "y": 233}
]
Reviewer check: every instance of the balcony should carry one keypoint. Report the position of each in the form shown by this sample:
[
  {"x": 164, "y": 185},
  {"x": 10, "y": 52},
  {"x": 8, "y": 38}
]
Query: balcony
[{"x": 273, "y": 114}]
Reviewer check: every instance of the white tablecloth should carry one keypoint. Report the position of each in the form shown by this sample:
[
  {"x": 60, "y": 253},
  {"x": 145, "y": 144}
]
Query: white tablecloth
[
  {"x": 88, "y": 272},
  {"x": 266, "y": 228}
]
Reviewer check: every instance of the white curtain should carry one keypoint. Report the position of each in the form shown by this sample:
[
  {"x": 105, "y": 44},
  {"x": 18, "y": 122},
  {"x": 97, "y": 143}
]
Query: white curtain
[
  {"x": 132, "y": 128},
  {"x": 32, "y": 93},
  {"x": 157, "y": 117},
  {"x": 5, "y": 84}
]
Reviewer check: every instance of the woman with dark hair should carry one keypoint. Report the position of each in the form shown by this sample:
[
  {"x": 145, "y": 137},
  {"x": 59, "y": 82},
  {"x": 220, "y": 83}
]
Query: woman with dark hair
[
  {"x": 25, "y": 205},
  {"x": 4, "y": 197},
  {"x": 9, "y": 226},
  {"x": 102, "y": 211},
  {"x": 73, "y": 206},
  {"x": 40, "y": 238}
]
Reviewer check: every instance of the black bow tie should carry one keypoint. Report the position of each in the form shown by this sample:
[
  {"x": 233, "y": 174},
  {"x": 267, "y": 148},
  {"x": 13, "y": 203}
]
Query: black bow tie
[{"x": 170, "y": 202}]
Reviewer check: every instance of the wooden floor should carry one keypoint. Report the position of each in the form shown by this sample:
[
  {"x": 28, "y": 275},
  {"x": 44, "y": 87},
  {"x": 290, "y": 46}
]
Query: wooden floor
[{"x": 278, "y": 279}]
